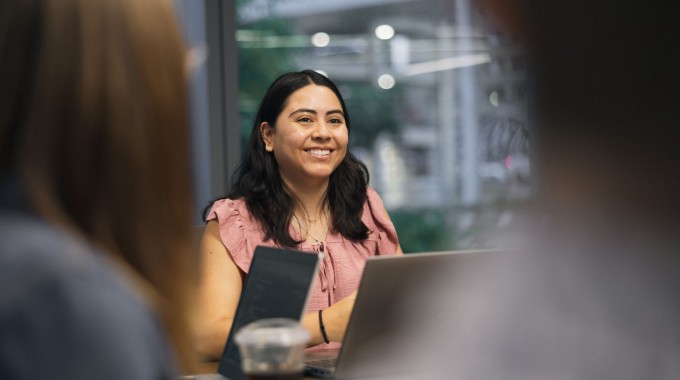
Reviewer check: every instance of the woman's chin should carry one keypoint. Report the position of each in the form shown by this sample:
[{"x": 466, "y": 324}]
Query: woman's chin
[{"x": 319, "y": 175}]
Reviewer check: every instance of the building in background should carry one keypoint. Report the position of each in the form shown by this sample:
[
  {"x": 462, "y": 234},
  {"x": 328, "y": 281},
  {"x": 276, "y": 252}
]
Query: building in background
[{"x": 437, "y": 102}]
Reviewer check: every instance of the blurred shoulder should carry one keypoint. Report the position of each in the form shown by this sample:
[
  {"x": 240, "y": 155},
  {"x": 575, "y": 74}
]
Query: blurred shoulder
[{"x": 64, "y": 304}]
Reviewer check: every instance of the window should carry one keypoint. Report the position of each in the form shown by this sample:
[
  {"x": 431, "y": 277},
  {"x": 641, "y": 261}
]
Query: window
[{"x": 436, "y": 98}]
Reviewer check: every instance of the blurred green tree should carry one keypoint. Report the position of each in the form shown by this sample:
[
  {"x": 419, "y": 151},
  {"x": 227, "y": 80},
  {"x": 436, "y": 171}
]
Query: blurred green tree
[
  {"x": 259, "y": 64},
  {"x": 422, "y": 230},
  {"x": 372, "y": 111}
]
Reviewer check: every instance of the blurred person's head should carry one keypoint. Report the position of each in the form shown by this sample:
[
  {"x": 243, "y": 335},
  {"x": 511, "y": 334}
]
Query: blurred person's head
[
  {"x": 591, "y": 293},
  {"x": 93, "y": 128},
  {"x": 604, "y": 75}
]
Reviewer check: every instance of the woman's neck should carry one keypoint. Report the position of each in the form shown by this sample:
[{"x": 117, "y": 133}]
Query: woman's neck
[{"x": 311, "y": 199}]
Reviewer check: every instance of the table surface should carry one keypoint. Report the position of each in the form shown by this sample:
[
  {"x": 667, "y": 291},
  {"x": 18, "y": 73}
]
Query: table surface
[{"x": 211, "y": 367}]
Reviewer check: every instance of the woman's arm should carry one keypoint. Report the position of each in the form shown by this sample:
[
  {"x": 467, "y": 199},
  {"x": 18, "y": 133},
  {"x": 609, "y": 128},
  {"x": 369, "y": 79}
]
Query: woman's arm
[
  {"x": 219, "y": 291},
  {"x": 335, "y": 319}
]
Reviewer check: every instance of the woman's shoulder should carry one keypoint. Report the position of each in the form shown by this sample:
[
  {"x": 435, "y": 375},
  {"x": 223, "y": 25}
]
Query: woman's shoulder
[
  {"x": 227, "y": 208},
  {"x": 238, "y": 231},
  {"x": 379, "y": 224},
  {"x": 371, "y": 194},
  {"x": 62, "y": 292},
  {"x": 31, "y": 245},
  {"x": 374, "y": 204}
]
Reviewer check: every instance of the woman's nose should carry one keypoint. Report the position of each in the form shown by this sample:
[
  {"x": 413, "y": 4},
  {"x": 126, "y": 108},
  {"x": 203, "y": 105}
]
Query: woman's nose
[{"x": 321, "y": 130}]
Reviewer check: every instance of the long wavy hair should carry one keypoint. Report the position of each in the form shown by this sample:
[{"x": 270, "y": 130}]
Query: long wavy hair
[
  {"x": 258, "y": 181},
  {"x": 94, "y": 126}
]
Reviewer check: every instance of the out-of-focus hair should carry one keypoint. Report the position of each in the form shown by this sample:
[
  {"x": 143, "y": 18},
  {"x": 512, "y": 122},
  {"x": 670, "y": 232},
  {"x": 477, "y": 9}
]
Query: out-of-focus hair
[
  {"x": 93, "y": 124},
  {"x": 607, "y": 86}
]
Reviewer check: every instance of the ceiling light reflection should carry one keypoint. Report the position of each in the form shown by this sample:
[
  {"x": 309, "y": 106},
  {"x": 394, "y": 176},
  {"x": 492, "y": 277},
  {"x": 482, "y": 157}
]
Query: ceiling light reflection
[
  {"x": 321, "y": 39},
  {"x": 386, "y": 81},
  {"x": 384, "y": 32}
]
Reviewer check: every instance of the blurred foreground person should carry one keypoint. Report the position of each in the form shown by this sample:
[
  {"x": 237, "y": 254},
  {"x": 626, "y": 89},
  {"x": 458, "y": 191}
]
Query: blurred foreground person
[
  {"x": 594, "y": 295},
  {"x": 95, "y": 275}
]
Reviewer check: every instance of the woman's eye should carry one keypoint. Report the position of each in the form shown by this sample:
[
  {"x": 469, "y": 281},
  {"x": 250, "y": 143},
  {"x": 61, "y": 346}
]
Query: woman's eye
[
  {"x": 335, "y": 121},
  {"x": 305, "y": 120}
]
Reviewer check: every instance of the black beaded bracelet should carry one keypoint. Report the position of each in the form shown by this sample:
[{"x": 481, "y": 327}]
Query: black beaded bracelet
[{"x": 323, "y": 329}]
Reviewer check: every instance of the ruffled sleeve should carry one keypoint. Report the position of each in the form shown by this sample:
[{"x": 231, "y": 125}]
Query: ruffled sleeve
[
  {"x": 382, "y": 229},
  {"x": 239, "y": 233}
]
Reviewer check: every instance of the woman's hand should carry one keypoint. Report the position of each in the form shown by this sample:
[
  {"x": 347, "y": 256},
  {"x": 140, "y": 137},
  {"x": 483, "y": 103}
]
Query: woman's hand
[{"x": 335, "y": 319}]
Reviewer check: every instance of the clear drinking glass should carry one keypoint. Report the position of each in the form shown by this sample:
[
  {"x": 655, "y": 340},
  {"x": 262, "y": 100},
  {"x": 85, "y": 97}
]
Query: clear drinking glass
[{"x": 273, "y": 349}]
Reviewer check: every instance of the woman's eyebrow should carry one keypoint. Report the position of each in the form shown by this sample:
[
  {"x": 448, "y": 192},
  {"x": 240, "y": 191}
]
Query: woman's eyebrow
[
  {"x": 309, "y": 110},
  {"x": 302, "y": 110},
  {"x": 335, "y": 111}
]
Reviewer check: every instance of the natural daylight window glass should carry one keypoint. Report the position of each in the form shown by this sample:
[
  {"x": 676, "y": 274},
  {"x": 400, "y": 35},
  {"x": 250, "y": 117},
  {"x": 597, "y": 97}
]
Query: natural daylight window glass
[{"x": 437, "y": 100}]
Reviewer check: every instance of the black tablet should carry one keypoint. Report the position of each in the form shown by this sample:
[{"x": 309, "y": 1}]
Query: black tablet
[{"x": 276, "y": 286}]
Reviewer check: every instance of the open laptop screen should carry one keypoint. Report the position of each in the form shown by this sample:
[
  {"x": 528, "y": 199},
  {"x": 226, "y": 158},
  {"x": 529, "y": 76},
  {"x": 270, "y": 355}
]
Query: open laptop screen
[{"x": 401, "y": 312}]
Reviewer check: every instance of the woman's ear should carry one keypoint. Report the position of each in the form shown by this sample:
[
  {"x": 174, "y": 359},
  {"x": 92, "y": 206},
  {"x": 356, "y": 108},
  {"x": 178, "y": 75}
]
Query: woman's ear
[{"x": 266, "y": 131}]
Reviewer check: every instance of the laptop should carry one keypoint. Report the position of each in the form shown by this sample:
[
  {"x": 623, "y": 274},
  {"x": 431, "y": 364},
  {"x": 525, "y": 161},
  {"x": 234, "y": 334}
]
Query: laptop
[
  {"x": 277, "y": 286},
  {"x": 396, "y": 324}
]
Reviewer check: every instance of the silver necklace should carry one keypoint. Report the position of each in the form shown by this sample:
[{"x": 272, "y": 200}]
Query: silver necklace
[{"x": 306, "y": 231}]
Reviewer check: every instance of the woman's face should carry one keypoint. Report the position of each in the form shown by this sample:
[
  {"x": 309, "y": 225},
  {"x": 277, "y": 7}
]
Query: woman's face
[{"x": 310, "y": 137}]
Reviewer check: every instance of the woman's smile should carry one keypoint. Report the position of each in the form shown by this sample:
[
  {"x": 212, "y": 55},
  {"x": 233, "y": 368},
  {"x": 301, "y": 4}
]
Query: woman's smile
[{"x": 319, "y": 152}]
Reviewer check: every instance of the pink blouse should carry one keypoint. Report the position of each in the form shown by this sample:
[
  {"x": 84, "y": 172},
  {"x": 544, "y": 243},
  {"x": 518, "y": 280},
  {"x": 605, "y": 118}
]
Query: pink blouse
[{"x": 343, "y": 262}]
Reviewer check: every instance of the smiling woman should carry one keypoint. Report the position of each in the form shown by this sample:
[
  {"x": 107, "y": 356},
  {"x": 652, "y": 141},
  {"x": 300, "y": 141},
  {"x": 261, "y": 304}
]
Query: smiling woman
[
  {"x": 310, "y": 140},
  {"x": 300, "y": 187}
]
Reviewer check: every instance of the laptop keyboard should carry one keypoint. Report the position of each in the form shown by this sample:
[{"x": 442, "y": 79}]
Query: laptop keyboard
[{"x": 328, "y": 363}]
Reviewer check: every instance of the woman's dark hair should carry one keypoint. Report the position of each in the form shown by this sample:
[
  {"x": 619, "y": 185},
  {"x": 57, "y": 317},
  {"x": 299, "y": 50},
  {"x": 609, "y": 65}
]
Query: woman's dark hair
[{"x": 258, "y": 181}]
